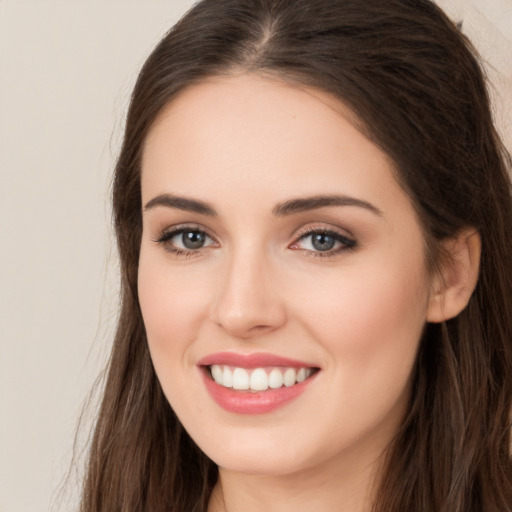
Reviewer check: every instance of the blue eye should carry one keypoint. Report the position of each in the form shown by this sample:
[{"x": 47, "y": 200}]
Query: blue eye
[
  {"x": 327, "y": 242},
  {"x": 323, "y": 242},
  {"x": 185, "y": 240}
]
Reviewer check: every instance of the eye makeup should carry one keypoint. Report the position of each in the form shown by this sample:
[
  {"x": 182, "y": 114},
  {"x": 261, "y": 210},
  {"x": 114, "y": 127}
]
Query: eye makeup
[
  {"x": 323, "y": 243},
  {"x": 193, "y": 240}
]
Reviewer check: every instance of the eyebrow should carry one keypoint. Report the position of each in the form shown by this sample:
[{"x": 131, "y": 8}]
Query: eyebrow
[
  {"x": 181, "y": 203},
  {"x": 298, "y": 205},
  {"x": 312, "y": 203}
]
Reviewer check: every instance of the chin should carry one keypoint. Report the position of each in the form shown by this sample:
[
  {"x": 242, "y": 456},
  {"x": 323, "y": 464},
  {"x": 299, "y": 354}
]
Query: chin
[{"x": 255, "y": 462}]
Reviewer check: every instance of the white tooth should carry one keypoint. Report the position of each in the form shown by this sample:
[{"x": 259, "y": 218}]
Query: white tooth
[
  {"x": 275, "y": 379},
  {"x": 309, "y": 371},
  {"x": 301, "y": 375},
  {"x": 217, "y": 373},
  {"x": 259, "y": 380},
  {"x": 227, "y": 378},
  {"x": 240, "y": 379},
  {"x": 289, "y": 377}
]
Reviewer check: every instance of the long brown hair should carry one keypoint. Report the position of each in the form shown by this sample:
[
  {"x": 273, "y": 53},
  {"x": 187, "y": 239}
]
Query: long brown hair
[{"x": 415, "y": 85}]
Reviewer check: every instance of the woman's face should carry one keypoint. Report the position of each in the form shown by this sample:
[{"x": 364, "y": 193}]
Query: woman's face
[{"x": 280, "y": 254}]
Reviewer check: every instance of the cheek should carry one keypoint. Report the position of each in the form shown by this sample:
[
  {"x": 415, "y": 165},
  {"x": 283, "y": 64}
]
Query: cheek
[
  {"x": 369, "y": 328},
  {"x": 370, "y": 323},
  {"x": 379, "y": 309},
  {"x": 173, "y": 304},
  {"x": 172, "y": 308}
]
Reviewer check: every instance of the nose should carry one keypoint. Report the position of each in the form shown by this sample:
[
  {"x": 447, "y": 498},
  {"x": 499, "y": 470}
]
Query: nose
[{"x": 248, "y": 304}]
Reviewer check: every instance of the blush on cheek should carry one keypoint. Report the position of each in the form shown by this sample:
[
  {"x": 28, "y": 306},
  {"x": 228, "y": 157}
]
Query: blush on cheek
[
  {"x": 172, "y": 310},
  {"x": 370, "y": 317}
]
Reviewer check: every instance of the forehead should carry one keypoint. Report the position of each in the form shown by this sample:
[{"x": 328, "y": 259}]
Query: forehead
[{"x": 250, "y": 135}]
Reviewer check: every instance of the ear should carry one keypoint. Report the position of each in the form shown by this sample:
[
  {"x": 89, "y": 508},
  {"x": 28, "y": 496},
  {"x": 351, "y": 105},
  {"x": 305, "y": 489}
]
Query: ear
[{"x": 453, "y": 285}]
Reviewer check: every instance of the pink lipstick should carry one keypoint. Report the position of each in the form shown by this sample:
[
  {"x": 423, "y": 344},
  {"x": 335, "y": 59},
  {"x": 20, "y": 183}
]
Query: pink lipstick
[{"x": 255, "y": 383}]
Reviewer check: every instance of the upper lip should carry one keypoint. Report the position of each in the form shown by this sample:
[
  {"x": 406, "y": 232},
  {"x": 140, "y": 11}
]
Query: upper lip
[{"x": 254, "y": 360}]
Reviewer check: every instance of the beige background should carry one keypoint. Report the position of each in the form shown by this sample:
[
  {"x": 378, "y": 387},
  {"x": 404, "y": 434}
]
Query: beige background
[{"x": 66, "y": 71}]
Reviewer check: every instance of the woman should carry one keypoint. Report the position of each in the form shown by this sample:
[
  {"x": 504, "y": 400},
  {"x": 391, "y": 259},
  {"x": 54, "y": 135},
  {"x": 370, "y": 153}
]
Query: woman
[{"x": 313, "y": 214}]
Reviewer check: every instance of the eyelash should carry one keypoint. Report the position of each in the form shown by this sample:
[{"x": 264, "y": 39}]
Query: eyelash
[
  {"x": 347, "y": 244},
  {"x": 167, "y": 235}
]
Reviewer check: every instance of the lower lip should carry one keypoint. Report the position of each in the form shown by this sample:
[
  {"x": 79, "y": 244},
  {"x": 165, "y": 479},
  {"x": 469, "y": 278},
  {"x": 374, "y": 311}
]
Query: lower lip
[{"x": 244, "y": 402}]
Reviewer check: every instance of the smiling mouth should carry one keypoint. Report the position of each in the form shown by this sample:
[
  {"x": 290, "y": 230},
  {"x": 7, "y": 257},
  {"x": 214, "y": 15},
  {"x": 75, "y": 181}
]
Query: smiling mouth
[{"x": 258, "y": 379}]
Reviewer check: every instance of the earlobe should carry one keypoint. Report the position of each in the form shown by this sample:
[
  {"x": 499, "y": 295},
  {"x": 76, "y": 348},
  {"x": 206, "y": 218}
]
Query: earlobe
[{"x": 453, "y": 286}]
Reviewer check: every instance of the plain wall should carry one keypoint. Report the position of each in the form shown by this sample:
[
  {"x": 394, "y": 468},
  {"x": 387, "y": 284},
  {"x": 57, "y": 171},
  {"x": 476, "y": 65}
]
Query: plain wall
[{"x": 66, "y": 72}]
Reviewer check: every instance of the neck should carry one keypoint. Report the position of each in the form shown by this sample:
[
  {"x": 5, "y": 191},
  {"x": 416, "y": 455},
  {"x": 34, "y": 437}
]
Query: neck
[{"x": 327, "y": 489}]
